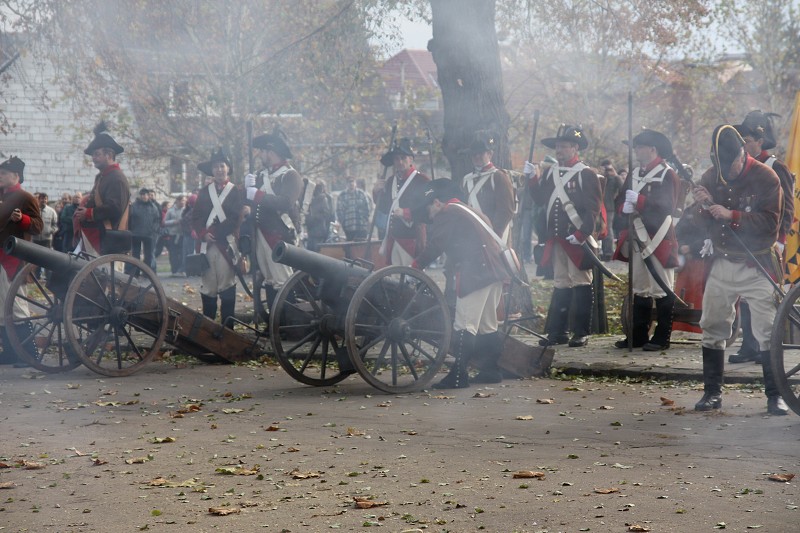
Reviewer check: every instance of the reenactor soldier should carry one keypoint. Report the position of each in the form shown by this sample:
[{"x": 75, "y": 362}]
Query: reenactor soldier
[
  {"x": 404, "y": 237},
  {"x": 649, "y": 197},
  {"x": 474, "y": 254},
  {"x": 487, "y": 189},
  {"x": 276, "y": 193},
  {"x": 738, "y": 205},
  {"x": 571, "y": 193},
  {"x": 216, "y": 220},
  {"x": 19, "y": 217},
  {"x": 107, "y": 205}
]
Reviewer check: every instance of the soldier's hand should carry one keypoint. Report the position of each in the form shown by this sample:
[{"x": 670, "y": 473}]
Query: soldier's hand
[
  {"x": 701, "y": 195},
  {"x": 529, "y": 168},
  {"x": 719, "y": 212},
  {"x": 250, "y": 181},
  {"x": 16, "y": 215},
  {"x": 208, "y": 237},
  {"x": 251, "y": 193},
  {"x": 80, "y": 214}
]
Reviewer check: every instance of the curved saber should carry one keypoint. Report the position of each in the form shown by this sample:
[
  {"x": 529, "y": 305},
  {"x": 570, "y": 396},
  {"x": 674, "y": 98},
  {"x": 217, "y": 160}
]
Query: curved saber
[
  {"x": 651, "y": 268},
  {"x": 587, "y": 248}
]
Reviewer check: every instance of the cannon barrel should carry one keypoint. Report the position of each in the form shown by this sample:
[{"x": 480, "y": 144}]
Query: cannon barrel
[
  {"x": 317, "y": 265},
  {"x": 43, "y": 257}
]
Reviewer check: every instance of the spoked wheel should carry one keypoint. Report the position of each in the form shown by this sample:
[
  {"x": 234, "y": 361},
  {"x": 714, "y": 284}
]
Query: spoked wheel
[
  {"x": 38, "y": 338},
  {"x": 398, "y": 329},
  {"x": 115, "y": 314},
  {"x": 785, "y": 351},
  {"x": 303, "y": 334},
  {"x": 260, "y": 299}
]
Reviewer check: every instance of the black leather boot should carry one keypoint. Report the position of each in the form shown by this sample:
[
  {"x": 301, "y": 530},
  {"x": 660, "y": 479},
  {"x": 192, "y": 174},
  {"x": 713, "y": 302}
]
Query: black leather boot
[
  {"x": 488, "y": 349},
  {"x": 461, "y": 347},
  {"x": 26, "y": 338},
  {"x": 7, "y": 356},
  {"x": 775, "y": 404},
  {"x": 584, "y": 303},
  {"x": 749, "y": 349},
  {"x": 713, "y": 369},
  {"x": 663, "y": 331},
  {"x": 209, "y": 306},
  {"x": 228, "y": 306},
  {"x": 642, "y": 311},
  {"x": 557, "y": 325}
]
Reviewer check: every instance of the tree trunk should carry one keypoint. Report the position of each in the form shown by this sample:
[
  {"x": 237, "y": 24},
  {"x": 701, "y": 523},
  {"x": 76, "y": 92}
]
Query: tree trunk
[{"x": 467, "y": 57}]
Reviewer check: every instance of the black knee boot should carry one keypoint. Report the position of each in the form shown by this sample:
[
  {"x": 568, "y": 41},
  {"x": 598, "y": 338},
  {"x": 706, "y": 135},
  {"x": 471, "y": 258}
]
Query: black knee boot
[
  {"x": 584, "y": 304},
  {"x": 749, "y": 349},
  {"x": 663, "y": 331},
  {"x": 227, "y": 306},
  {"x": 488, "y": 349},
  {"x": 209, "y": 306},
  {"x": 557, "y": 325},
  {"x": 642, "y": 311},
  {"x": 775, "y": 404},
  {"x": 713, "y": 369},
  {"x": 7, "y": 356},
  {"x": 461, "y": 347},
  {"x": 26, "y": 338}
]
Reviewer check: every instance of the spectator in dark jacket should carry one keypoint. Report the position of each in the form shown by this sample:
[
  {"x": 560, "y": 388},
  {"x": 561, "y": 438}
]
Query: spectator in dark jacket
[
  {"x": 67, "y": 229},
  {"x": 320, "y": 216},
  {"x": 144, "y": 224}
]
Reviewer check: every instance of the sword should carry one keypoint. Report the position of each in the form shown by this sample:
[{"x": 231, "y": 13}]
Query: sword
[
  {"x": 651, "y": 268},
  {"x": 589, "y": 250}
]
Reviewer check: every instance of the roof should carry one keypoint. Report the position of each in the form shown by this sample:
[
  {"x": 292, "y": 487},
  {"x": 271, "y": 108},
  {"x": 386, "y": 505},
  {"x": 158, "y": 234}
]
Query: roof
[{"x": 409, "y": 67}]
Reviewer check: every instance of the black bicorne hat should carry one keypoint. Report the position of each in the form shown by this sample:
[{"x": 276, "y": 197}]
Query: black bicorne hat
[
  {"x": 16, "y": 165},
  {"x": 402, "y": 146},
  {"x": 275, "y": 141},
  {"x": 206, "y": 167},
  {"x": 573, "y": 134},
  {"x": 759, "y": 126},
  {"x": 655, "y": 139},
  {"x": 103, "y": 139},
  {"x": 417, "y": 200},
  {"x": 726, "y": 146},
  {"x": 484, "y": 141}
]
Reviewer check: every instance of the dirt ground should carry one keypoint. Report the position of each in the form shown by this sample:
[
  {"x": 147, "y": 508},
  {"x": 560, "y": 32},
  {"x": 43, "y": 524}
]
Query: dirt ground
[{"x": 158, "y": 450}]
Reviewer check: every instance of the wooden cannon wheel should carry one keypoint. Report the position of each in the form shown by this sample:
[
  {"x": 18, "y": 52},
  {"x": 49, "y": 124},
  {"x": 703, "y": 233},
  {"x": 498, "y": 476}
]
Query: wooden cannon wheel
[
  {"x": 40, "y": 337},
  {"x": 785, "y": 349},
  {"x": 303, "y": 334},
  {"x": 115, "y": 315},
  {"x": 397, "y": 329}
]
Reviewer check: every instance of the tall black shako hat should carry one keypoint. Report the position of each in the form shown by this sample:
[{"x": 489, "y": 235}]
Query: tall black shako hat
[
  {"x": 277, "y": 141},
  {"x": 103, "y": 139},
  {"x": 655, "y": 139},
  {"x": 417, "y": 200},
  {"x": 726, "y": 146},
  {"x": 573, "y": 134},
  {"x": 759, "y": 126},
  {"x": 219, "y": 155},
  {"x": 402, "y": 146},
  {"x": 14, "y": 164}
]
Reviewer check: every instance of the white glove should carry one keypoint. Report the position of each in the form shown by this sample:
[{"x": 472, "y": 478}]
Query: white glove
[
  {"x": 529, "y": 168},
  {"x": 631, "y": 196},
  {"x": 250, "y": 180},
  {"x": 707, "y": 249},
  {"x": 251, "y": 192},
  {"x": 781, "y": 247},
  {"x": 572, "y": 239},
  {"x": 628, "y": 207}
]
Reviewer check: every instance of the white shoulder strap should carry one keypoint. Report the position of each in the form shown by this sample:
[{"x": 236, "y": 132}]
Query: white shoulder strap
[{"x": 216, "y": 203}]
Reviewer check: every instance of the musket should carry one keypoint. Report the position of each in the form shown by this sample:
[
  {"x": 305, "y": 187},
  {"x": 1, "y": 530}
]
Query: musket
[
  {"x": 430, "y": 153},
  {"x": 533, "y": 134},
  {"x": 630, "y": 223}
]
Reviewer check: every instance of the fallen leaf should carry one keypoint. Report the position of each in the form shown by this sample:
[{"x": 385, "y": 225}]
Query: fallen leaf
[
  {"x": 162, "y": 440},
  {"x": 524, "y": 417},
  {"x": 296, "y": 474},
  {"x": 637, "y": 527},
  {"x": 442, "y": 397},
  {"x": 272, "y": 428},
  {"x": 607, "y": 491},
  {"x": 618, "y": 465},
  {"x": 223, "y": 511},
  {"x": 30, "y": 465},
  {"x": 7, "y": 485},
  {"x": 157, "y": 482},
  {"x": 545, "y": 400},
  {"x": 354, "y": 432},
  {"x": 137, "y": 460},
  {"x": 99, "y": 462},
  {"x": 365, "y": 503},
  {"x": 606, "y": 407},
  {"x": 78, "y": 453},
  {"x": 781, "y": 477},
  {"x": 482, "y": 395},
  {"x": 526, "y": 474},
  {"x": 667, "y": 401},
  {"x": 4, "y": 465},
  {"x": 115, "y": 404},
  {"x": 237, "y": 470},
  {"x": 232, "y": 411},
  {"x": 73, "y": 385},
  {"x": 293, "y": 450}
]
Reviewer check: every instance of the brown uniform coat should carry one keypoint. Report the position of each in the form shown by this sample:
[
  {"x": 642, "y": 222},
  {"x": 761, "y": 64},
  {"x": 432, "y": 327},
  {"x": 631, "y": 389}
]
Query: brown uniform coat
[
  {"x": 287, "y": 189},
  {"x": 496, "y": 198},
  {"x": 232, "y": 206},
  {"x": 31, "y": 222}
]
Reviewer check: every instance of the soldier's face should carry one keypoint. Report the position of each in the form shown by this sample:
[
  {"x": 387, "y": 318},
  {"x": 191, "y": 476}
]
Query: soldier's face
[
  {"x": 481, "y": 159},
  {"x": 402, "y": 163},
  {"x": 644, "y": 154},
  {"x": 102, "y": 158},
  {"x": 752, "y": 146},
  {"x": 8, "y": 179},
  {"x": 565, "y": 151},
  {"x": 220, "y": 171}
]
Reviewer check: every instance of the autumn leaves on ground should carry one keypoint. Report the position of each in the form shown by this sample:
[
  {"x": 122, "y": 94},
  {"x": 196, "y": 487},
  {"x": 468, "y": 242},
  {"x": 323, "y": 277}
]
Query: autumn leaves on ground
[{"x": 182, "y": 447}]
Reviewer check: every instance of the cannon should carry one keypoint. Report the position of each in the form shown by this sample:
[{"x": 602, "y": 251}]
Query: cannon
[
  {"x": 109, "y": 313},
  {"x": 333, "y": 318}
]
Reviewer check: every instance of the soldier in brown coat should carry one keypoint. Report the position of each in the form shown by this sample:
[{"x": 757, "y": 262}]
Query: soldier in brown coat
[
  {"x": 488, "y": 189},
  {"x": 571, "y": 194},
  {"x": 19, "y": 217},
  {"x": 455, "y": 230},
  {"x": 106, "y": 207}
]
